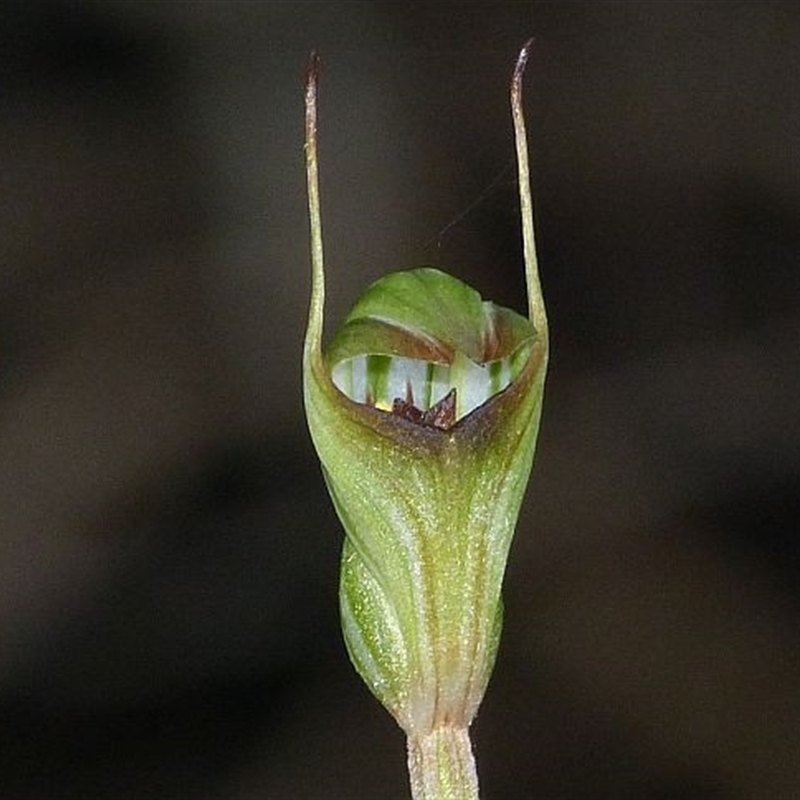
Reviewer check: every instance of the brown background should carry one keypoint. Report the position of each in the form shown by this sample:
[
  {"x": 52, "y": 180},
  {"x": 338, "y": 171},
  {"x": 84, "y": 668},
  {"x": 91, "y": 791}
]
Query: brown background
[{"x": 168, "y": 555}]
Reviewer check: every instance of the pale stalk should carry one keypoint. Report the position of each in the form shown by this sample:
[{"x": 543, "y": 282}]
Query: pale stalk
[{"x": 441, "y": 765}]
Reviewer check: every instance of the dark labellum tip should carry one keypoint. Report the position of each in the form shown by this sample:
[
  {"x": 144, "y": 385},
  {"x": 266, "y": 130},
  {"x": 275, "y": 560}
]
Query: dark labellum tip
[{"x": 440, "y": 415}]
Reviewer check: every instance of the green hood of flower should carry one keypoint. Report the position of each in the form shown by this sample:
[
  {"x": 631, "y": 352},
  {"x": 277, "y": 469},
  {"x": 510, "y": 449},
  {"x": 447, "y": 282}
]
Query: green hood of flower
[{"x": 424, "y": 410}]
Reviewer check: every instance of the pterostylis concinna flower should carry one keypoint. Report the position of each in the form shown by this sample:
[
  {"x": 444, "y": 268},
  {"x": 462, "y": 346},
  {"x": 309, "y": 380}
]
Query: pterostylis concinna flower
[{"x": 424, "y": 410}]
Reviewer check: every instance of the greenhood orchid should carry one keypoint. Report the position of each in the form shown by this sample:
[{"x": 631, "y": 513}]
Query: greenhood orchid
[{"x": 424, "y": 410}]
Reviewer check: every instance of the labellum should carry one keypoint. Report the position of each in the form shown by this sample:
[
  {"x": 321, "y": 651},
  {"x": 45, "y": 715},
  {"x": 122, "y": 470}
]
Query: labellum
[{"x": 424, "y": 410}]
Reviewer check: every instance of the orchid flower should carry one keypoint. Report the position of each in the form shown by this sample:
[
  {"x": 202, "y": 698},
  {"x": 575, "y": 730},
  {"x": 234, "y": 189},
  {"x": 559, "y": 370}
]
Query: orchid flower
[{"x": 424, "y": 410}]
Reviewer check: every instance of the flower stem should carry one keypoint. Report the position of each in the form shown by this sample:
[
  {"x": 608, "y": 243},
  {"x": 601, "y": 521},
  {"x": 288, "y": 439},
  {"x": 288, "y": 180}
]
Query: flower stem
[{"x": 441, "y": 765}]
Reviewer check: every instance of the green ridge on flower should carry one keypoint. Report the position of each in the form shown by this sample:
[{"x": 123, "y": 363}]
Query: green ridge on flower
[{"x": 424, "y": 410}]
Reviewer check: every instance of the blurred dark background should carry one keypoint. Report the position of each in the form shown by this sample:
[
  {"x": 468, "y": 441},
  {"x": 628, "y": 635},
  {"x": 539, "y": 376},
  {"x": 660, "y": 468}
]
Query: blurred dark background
[{"x": 168, "y": 554}]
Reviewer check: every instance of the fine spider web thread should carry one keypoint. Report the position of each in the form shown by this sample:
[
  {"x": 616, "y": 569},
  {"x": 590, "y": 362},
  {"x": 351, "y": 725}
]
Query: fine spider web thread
[{"x": 501, "y": 179}]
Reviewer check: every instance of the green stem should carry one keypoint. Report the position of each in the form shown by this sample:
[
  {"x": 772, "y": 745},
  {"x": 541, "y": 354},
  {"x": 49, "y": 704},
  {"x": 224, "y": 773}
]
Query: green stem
[{"x": 441, "y": 765}]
